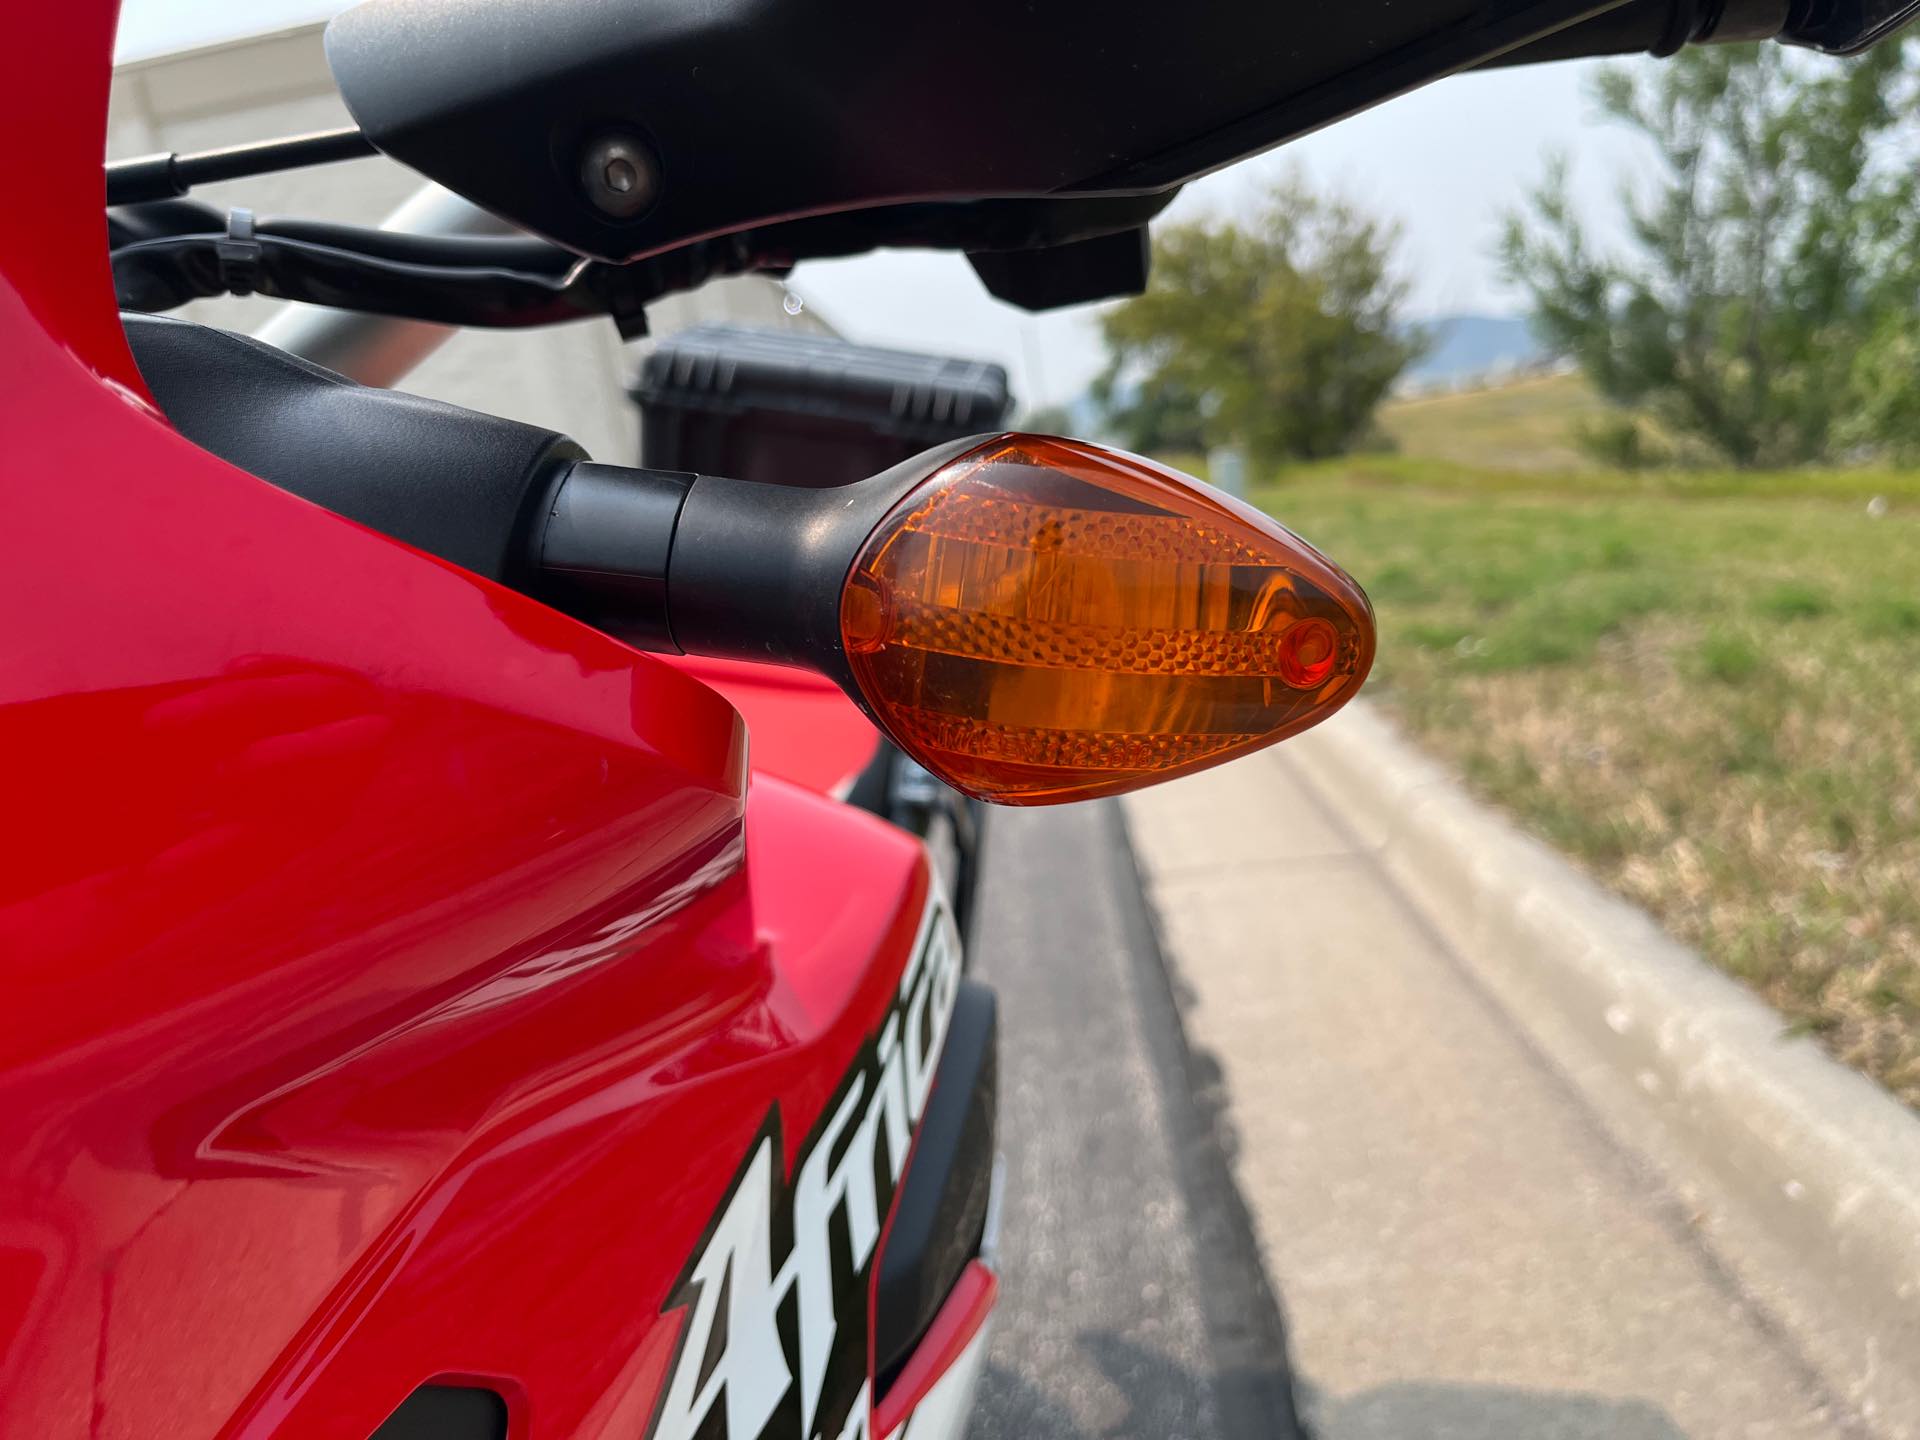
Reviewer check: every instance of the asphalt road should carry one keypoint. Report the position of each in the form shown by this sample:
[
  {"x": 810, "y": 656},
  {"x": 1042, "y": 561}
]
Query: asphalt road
[{"x": 1134, "y": 1303}]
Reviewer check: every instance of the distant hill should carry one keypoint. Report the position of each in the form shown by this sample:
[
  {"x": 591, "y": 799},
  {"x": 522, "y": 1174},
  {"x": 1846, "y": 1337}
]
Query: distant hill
[
  {"x": 1469, "y": 347},
  {"x": 1524, "y": 424}
]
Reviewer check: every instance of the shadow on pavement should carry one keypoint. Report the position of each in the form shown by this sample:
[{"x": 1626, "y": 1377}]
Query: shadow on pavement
[
  {"x": 1148, "y": 1395},
  {"x": 1161, "y": 1399},
  {"x": 1432, "y": 1410},
  {"x": 1009, "y": 1407}
]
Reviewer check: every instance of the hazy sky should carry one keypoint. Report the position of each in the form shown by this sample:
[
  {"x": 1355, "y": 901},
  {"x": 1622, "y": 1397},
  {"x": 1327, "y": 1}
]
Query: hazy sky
[{"x": 1445, "y": 161}]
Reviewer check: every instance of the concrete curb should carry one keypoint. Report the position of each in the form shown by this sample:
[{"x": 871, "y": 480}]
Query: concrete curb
[{"x": 1804, "y": 1175}]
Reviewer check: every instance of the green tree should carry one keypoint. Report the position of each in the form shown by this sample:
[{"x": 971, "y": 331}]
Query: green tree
[
  {"x": 1883, "y": 411},
  {"x": 1280, "y": 336},
  {"x": 1048, "y": 420},
  {"x": 1152, "y": 413},
  {"x": 1774, "y": 239}
]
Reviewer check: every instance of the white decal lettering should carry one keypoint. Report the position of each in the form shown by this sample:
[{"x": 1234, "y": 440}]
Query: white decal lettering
[{"x": 731, "y": 1359}]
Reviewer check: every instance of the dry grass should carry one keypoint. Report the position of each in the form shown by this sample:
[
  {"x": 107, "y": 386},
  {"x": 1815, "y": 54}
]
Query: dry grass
[
  {"x": 1707, "y": 693},
  {"x": 1528, "y": 424}
]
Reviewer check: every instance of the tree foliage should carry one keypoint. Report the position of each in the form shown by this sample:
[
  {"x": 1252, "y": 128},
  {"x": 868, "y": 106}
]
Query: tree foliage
[
  {"x": 1048, "y": 420},
  {"x": 1151, "y": 412},
  {"x": 1280, "y": 336},
  {"x": 1770, "y": 251}
]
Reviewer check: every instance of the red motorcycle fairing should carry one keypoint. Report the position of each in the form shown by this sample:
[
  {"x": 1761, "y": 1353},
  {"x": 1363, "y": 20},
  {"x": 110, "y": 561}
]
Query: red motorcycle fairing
[
  {"x": 804, "y": 727},
  {"x": 395, "y": 972}
]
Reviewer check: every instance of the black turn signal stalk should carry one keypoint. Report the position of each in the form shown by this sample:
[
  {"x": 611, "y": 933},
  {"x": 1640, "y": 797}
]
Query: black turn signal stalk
[
  {"x": 1033, "y": 619},
  {"x": 705, "y": 565},
  {"x": 601, "y": 545}
]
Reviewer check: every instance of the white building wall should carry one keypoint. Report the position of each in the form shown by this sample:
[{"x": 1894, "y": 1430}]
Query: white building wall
[{"x": 569, "y": 378}]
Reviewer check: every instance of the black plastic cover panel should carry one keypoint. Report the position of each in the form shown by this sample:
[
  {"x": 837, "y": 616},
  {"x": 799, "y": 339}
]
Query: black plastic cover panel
[
  {"x": 1102, "y": 268},
  {"x": 447, "y": 1412},
  {"x": 942, "y": 1209},
  {"x": 758, "y": 110}
]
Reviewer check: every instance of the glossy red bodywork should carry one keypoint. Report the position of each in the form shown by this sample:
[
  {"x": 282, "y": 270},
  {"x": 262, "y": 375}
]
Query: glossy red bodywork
[
  {"x": 804, "y": 728},
  {"x": 953, "y": 1330},
  {"x": 394, "y": 971}
]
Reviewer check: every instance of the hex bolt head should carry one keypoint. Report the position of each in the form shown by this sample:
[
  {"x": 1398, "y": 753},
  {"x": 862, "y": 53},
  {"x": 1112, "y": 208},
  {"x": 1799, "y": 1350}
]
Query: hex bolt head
[{"x": 620, "y": 176}]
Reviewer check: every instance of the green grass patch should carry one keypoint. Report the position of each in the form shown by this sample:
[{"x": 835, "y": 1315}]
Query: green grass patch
[
  {"x": 1704, "y": 686},
  {"x": 1891, "y": 615},
  {"x": 1795, "y": 600},
  {"x": 1728, "y": 658}
]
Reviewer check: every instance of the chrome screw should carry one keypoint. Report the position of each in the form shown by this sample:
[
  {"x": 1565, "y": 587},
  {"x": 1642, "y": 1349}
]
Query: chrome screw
[{"x": 620, "y": 176}]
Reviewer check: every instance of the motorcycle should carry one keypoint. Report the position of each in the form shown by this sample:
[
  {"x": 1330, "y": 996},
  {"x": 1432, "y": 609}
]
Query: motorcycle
[{"x": 424, "y": 1014}]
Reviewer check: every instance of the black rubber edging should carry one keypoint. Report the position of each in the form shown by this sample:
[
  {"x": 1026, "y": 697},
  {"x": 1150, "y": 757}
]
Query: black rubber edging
[{"x": 1246, "y": 1329}]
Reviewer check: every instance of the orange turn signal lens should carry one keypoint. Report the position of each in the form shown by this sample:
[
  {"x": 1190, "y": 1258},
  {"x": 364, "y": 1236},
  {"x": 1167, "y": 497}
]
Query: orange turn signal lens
[{"x": 1045, "y": 620}]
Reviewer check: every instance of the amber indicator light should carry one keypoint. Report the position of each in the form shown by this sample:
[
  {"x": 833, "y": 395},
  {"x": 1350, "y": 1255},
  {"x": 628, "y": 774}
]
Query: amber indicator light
[{"x": 1046, "y": 620}]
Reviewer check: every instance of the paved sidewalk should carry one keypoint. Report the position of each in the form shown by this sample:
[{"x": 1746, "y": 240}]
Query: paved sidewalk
[{"x": 1459, "y": 1249}]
